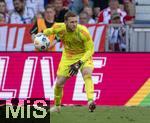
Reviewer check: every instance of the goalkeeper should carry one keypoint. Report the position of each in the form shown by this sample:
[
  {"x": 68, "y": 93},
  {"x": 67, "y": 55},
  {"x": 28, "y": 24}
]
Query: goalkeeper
[{"x": 77, "y": 55}]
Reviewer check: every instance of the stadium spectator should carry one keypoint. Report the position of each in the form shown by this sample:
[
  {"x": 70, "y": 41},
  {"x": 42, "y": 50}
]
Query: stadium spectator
[
  {"x": 117, "y": 38},
  {"x": 46, "y": 22},
  {"x": 21, "y": 14},
  {"x": 103, "y": 4},
  {"x": 3, "y": 11},
  {"x": 36, "y": 5},
  {"x": 105, "y": 15},
  {"x": 99, "y": 5},
  {"x": 89, "y": 11},
  {"x": 96, "y": 12},
  {"x": 60, "y": 10},
  {"x": 84, "y": 18},
  {"x": 77, "y": 55},
  {"x": 129, "y": 7},
  {"x": 2, "y": 6}
]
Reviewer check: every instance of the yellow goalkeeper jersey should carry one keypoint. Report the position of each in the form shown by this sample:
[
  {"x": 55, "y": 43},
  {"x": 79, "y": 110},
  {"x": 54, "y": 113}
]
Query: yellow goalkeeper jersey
[{"x": 76, "y": 44}]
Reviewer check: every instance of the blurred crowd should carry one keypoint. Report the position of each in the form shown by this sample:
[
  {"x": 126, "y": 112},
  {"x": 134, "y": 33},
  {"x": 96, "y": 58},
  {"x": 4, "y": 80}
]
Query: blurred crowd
[
  {"x": 44, "y": 13},
  {"x": 89, "y": 11}
]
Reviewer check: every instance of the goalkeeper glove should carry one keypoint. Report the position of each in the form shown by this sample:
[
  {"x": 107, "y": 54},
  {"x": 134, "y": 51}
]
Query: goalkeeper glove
[{"x": 75, "y": 67}]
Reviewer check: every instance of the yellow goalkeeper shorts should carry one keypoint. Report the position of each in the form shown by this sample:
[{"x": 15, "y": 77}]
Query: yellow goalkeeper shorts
[{"x": 64, "y": 66}]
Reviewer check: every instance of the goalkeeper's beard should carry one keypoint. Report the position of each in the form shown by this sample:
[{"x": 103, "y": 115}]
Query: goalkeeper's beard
[{"x": 71, "y": 29}]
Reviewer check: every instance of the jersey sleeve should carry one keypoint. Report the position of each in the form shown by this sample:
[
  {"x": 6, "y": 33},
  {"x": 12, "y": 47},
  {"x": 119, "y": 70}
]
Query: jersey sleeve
[
  {"x": 56, "y": 28},
  {"x": 88, "y": 43}
]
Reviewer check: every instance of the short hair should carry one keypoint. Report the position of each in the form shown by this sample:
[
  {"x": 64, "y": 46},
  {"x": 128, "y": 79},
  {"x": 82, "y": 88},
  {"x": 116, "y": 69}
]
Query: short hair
[
  {"x": 69, "y": 14},
  {"x": 2, "y": 1},
  {"x": 49, "y": 6}
]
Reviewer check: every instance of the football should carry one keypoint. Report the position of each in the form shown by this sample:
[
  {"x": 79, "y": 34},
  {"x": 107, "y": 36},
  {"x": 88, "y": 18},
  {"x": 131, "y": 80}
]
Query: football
[{"x": 41, "y": 42}]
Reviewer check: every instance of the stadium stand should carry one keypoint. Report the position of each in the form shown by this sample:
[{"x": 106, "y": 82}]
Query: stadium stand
[{"x": 142, "y": 11}]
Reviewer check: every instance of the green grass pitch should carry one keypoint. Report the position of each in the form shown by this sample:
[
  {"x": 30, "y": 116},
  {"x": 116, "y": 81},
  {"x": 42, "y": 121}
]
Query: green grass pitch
[{"x": 103, "y": 114}]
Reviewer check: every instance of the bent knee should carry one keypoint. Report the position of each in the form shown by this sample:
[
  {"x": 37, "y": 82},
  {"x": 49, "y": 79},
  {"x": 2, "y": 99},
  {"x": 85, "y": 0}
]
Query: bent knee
[
  {"x": 58, "y": 84},
  {"x": 87, "y": 71}
]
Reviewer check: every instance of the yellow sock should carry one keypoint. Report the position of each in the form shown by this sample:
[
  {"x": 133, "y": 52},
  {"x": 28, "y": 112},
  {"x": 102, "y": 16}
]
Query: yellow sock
[
  {"x": 89, "y": 87},
  {"x": 58, "y": 92}
]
